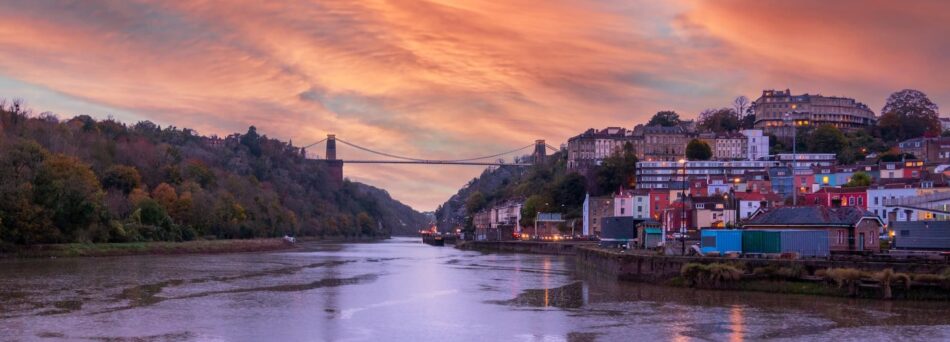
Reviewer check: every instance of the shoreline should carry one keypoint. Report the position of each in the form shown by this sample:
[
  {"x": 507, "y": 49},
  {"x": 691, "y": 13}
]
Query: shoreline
[
  {"x": 78, "y": 250},
  {"x": 805, "y": 276},
  {"x": 222, "y": 246}
]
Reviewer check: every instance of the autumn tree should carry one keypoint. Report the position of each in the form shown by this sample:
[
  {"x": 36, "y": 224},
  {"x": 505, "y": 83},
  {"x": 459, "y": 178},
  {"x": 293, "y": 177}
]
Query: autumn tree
[
  {"x": 121, "y": 177},
  {"x": 719, "y": 120},
  {"x": 70, "y": 192},
  {"x": 908, "y": 114}
]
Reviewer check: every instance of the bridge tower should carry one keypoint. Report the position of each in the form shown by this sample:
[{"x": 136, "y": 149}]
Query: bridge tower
[
  {"x": 540, "y": 151},
  {"x": 331, "y": 147},
  {"x": 334, "y": 166}
]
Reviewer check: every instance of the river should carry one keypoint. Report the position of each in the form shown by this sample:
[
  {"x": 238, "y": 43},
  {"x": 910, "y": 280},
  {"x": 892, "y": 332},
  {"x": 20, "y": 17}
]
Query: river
[{"x": 402, "y": 290}]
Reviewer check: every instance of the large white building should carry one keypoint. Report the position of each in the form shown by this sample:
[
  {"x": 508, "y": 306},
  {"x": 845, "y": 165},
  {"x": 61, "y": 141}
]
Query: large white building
[
  {"x": 774, "y": 107},
  {"x": 670, "y": 175}
]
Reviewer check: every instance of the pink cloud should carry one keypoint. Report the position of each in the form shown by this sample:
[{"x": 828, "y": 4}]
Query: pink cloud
[{"x": 446, "y": 79}]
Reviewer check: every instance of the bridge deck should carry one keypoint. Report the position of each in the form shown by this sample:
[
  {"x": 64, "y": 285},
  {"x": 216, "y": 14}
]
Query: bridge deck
[{"x": 430, "y": 162}]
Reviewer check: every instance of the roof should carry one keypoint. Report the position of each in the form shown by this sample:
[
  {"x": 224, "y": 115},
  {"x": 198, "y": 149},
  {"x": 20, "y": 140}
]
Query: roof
[
  {"x": 810, "y": 216},
  {"x": 750, "y": 196},
  {"x": 841, "y": 190},
  {"x": 609, "y": 132}
]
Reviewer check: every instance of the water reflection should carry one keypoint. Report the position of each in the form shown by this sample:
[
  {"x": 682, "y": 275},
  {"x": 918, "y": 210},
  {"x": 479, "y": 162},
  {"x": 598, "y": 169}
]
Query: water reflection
[
  {"x": 403, "y": 290},
  {"x": 737, "y": 324}
]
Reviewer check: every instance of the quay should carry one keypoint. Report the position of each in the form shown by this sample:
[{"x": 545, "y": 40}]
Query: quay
[{"x": 803, "y": 276}]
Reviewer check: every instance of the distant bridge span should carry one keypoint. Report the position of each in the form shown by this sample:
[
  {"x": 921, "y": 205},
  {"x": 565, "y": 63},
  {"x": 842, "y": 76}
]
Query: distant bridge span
[
  {"x": 336, "y": 165},
  {"x": 432, "y": 162}
]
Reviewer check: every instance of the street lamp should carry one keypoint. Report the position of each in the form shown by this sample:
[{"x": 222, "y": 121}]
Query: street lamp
[
  {"x": 683, "y": 209},
  {"x": 788, "y": 121}
]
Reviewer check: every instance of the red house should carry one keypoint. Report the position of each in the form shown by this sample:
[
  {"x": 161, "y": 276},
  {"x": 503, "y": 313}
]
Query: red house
[
  {"x": 804, "y": 180},
  {"x": 699, "y": 187},
  {"x": 838, "y": 197},
  {"x": 659, "y": 200},
  {"x": 674, "y": 215}
]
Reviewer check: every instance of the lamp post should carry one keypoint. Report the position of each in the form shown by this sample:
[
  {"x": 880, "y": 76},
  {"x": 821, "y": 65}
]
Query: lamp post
[
  {"x": 788, "y": 121},
  {"x": 683, "y": 210}
]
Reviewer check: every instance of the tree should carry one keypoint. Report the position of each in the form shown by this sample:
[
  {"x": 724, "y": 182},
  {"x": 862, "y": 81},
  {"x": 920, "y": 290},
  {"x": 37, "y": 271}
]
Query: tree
[
  {"x": 719, "y": 120},
  {"x": 475, "y": 202},
  {"x": 618, "y": 170},
  {"x": 740, "y": 104},
  {"x": 570, "y": 191},
  {"x": 826, "y": 139},
  {"x": 366, "y": 224},
  {"x": 69, "y": 191},
  {"x": 698, "y": 150},
  {"x": 909, "y": 114},
  {"x": 666, "y": 118},
  {"x": 252, "y": 140},
  {"x": 859, "y": 179},
  {"x": 122, "y": 177},
  {"x": 166, "y": 196},
  {"x": 532, "y": 206}
]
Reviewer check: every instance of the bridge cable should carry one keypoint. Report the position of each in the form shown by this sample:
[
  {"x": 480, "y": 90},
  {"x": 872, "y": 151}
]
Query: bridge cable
[
  {"x": 308, "y": 146},
  {"x": 428, "y": 160}
]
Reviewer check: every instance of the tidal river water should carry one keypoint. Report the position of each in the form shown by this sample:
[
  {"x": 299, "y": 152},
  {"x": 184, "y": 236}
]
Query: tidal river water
[{"x": 402, "y": 290}]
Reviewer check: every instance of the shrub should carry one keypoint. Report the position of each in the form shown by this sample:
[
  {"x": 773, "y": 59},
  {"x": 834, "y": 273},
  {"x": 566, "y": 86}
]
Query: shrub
[
  {"x": 715, "y": 274},
  {"x": 846, "y": 276}
]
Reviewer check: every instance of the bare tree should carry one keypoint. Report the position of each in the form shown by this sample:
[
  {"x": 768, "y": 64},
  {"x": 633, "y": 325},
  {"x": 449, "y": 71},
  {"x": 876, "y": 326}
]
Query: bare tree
[{"x": 740, "y": 104}]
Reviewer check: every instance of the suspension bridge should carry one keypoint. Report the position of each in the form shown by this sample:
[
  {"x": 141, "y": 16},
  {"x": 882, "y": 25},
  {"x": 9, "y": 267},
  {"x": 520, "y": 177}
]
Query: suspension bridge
[{"x": 336, "y": 165}]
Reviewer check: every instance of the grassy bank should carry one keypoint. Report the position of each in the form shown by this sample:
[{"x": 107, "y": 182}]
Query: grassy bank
[{"x": 139, "y": 248}]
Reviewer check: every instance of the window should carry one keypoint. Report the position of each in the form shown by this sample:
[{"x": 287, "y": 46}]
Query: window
[
  {"x": 860, "y": 200},
  {"x": 876, "y": 200}
]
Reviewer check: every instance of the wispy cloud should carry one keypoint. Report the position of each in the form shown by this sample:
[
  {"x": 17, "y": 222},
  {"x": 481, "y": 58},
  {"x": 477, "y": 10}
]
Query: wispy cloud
[{"x": 443, "y": 79}]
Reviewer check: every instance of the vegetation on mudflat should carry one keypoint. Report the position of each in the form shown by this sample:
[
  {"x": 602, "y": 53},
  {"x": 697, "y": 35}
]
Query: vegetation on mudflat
[
  {"x": 86, "y": 181},
  {"x": 851, "y": 282}
]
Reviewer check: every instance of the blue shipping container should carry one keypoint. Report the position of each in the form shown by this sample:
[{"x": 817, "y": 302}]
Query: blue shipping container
[
  {"x": 807, "y": 243},
  {"x": 722, "y": 241}
]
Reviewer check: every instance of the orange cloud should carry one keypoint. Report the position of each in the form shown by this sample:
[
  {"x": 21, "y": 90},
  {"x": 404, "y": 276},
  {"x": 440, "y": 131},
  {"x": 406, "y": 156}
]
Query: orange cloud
[{"x": 448, "y": 79}]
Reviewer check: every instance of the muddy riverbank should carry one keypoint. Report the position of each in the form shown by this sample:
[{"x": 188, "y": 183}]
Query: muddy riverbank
[{"x": 145, "y": 248}]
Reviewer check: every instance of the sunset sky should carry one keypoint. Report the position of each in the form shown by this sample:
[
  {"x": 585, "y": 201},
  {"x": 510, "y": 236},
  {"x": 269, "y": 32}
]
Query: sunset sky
[{"x": 451, "y": 79}]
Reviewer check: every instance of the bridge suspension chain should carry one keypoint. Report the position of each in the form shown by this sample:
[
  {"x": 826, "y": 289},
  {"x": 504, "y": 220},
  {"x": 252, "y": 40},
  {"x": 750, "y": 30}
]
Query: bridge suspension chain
[
  {"x": 308, "y": 146},
  {"x": 429, "y": 160}
]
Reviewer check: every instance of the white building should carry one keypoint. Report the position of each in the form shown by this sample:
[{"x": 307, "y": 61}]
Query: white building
[
  {"x": 878, "y": 194},
  {"x": 807, "y": 160},
  {"x": 757, "y": 144},
  {"x": 634, "y": 203},
  {"x": 507, "y": 213}
]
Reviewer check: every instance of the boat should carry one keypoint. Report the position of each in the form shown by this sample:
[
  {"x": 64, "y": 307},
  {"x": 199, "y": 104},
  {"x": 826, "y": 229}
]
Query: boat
[
  {"x": 433, "y": 239},
  {"x": 431, "y": 236}
]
